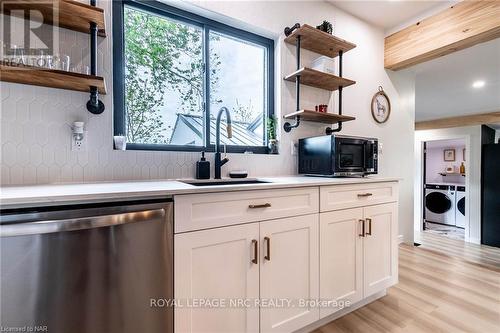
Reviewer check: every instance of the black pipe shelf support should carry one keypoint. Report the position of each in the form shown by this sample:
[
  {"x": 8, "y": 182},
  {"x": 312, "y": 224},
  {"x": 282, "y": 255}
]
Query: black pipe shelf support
[
  {"x": 287, "y": 127},
  {"x": 94, "y": 105},
  {"x": 289, "y": 31}
]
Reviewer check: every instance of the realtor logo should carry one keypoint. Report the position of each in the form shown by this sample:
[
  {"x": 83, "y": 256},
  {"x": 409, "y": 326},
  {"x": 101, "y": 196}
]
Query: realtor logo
[{"x": 29, "y": 30}]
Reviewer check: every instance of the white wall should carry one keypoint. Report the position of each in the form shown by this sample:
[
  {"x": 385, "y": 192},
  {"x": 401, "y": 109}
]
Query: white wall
[
  {"x": 436, "y": 165},
  {"x": 43, "y": 155},
  {"x": 472, "y": 137}
]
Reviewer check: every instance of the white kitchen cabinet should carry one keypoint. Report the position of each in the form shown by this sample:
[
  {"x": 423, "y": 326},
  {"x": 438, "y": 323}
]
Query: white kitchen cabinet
[
  {"x": 289, "y": 270},
  {"x": 211, "y": 210},
  {"x": 338, "y": 197},
  {"x": 216, "y": 264},
  {"x": 341, "y": 258},
  {"x": 220, "y": 263},
  {"x": 358, "y": 253},
  {"x": 274, "y": 246},
  {"x": 380, "y": 252}
]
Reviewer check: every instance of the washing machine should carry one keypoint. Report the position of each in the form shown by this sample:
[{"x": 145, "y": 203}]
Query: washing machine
[
  {"x": 460, "y": 207},
  {"x": 440, "y": 203}
]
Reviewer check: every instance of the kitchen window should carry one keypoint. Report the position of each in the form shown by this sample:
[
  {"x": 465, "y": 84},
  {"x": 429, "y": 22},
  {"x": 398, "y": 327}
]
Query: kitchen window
[{"x": 174, "y": 70}]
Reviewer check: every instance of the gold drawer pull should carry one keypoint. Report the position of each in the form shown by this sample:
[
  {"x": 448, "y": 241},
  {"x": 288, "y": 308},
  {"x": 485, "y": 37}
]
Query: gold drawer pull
[
  {"x": 266, "y": 205},
  {"x": 255, "y": 259},
  {"x": 362, "y": 234},
  {"x": 369, "y": 232},
  {"x": 268, "y": 254},
  {"x": 362, "y": 195}
]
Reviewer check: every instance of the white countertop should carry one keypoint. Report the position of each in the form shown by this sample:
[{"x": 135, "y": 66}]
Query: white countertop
[{"x": 44, "y": 195}]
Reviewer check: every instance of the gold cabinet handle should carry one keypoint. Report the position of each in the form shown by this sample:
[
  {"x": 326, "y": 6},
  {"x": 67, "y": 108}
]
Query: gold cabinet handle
[
  {"x": 363, "y": 195},
  {"x": 255, "y": 244},
  {"x": 266, "y": 205},
  {"x": 369, "y": 232},
  {"x": 362, "y": 234},
  {"x": 268, "y": 248}
]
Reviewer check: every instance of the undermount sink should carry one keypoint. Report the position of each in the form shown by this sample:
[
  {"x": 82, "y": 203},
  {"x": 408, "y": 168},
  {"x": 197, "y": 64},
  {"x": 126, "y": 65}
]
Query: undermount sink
[{"x": 222, "y": 182}]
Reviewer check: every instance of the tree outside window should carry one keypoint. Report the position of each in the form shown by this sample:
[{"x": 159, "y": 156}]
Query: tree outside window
[{"x": 165, "y": 75}]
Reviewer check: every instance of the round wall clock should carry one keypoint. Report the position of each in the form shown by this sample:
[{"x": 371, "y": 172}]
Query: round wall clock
[{"x": 381, "y": 106}]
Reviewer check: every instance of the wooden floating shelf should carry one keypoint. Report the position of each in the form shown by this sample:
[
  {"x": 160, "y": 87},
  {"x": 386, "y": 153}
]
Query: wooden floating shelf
[
  {"x": 318, "y": 79},
  {"x": 51, "y": 78},
  {"x": 319, "y": 41},
  {"x": 68, "y": 14},
  {"x": 319, "y": 117},
  {"x": 452, "y": 174}
]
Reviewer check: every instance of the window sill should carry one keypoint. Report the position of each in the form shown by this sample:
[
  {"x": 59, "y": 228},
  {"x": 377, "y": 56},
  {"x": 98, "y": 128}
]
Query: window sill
[{"x": 211, "y": 149}]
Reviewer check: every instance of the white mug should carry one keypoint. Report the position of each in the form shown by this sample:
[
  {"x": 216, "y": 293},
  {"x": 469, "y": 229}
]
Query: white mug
[{"x": 120, "y": 142}]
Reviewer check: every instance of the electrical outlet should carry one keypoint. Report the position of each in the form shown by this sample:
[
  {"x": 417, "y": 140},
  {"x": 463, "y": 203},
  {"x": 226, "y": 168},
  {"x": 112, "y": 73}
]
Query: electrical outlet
[
  {"x": 294, "y": 148},
  {"x": 380, "y": 148},
  {"x": 79, "y": 145}
]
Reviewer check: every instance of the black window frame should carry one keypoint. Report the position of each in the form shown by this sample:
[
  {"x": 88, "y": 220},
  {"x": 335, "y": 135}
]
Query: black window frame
[{"x": 207, "y": 25}]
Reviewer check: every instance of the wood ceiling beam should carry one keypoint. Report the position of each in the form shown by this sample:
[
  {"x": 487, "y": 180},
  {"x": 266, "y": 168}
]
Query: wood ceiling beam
[
  {"x": 471, "y": 120},
  {"x": 461, "y": 26}
]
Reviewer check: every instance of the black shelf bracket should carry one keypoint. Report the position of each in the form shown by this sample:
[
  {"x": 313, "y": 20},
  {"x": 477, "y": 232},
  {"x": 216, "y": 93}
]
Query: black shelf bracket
[
  {"x": 287, "y": 127},
  {"x": 94, "y": 105},
  {"x": 288, "y": 30}
]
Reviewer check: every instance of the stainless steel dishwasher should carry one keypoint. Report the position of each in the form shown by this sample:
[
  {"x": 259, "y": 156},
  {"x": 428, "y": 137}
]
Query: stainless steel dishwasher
[{"x": 88, "y": 268}]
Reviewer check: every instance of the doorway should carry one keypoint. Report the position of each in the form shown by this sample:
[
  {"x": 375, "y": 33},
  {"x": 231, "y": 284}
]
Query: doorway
[{"x": 444, "y": 188}]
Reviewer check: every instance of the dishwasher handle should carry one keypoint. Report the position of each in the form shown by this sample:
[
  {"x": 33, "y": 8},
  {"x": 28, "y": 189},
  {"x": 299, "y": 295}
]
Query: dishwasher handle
[{"x": 51, "y": 226}]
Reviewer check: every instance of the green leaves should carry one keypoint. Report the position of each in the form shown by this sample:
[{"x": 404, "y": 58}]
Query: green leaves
[
  {"x": 271, "y": 128},
  {"x": 164, "y": 75},
  {"x": 163, "y": 58}
]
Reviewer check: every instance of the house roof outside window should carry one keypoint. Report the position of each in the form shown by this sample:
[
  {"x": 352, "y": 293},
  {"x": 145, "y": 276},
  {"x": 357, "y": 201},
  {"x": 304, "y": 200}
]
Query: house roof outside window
[{"x": 188, "y": 130}]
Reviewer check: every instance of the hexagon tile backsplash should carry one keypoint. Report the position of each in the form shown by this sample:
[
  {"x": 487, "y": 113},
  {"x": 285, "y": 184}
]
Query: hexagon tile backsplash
[
  {"x": 35, "y": 144},
  {"x": 35, "y": 138}
]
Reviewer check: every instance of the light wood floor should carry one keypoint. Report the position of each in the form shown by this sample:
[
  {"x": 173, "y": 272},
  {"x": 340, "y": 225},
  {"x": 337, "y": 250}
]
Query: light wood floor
[
  {"x": 452, "y": 291},
  {"x": 480, "y": 254}
]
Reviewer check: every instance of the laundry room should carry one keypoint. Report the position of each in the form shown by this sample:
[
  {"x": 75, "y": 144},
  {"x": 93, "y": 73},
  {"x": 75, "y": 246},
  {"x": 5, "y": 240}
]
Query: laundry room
[
  {"x": 445, "y": 188},
  {"x": 457, "y": 185}
]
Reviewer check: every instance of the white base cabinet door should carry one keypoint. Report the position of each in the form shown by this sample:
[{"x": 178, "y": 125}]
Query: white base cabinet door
[
  {"x": 289, "y": 270},
  {"x": 380, "y": 248},
  {"x": 217, "y": 264},
  {"x": 341, "y": 258}
]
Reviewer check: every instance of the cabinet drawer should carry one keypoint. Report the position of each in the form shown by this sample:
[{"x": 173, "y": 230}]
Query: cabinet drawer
[
  {"x": 210, "y": 210},
  {"x": 349, "y": 196}
]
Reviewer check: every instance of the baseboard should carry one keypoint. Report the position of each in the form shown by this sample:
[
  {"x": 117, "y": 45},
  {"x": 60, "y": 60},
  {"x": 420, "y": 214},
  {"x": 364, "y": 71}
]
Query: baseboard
[
  {"x": 400, "y": 239},
  {"x": 340, "y": 313},
  {"x": 473, "y": 240}
]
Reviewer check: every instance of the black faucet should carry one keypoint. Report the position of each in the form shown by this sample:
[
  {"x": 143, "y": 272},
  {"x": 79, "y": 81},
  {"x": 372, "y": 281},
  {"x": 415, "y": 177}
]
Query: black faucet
[{"x": 218, "y": 161}]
